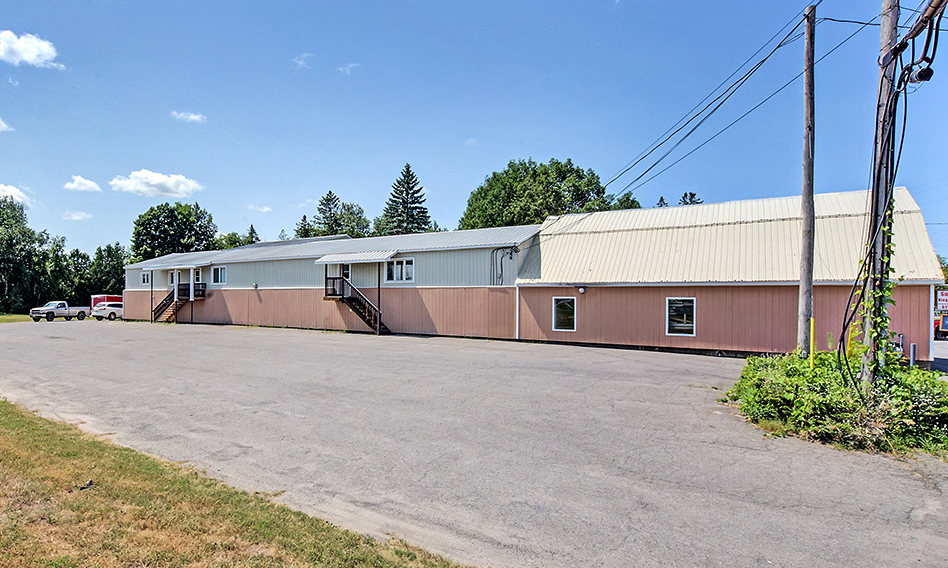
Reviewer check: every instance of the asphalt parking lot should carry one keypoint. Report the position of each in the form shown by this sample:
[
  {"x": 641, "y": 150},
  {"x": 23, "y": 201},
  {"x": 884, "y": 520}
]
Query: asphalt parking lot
[{"x": 492, "y": 453}]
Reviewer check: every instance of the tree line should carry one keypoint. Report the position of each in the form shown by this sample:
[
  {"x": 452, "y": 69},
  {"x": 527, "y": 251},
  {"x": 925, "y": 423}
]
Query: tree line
[{"x": 35, "y": 266}]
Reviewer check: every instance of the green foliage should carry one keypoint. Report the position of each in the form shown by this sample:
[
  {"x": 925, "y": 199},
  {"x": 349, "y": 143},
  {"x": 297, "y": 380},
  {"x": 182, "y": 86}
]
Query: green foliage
[
  {"x": 328, "y": 220},
  {"x": 304, "y": 229},
  {"x": 352, "y": 220},
  {"x": 334, "y": 218},
  {"x": 405, "y": 211},
  {"x": 690, "y": 198},
  {"x": 661, "y": 201},
  {"x": 235, "y": 239},
  {"x": 526, "y": 192},
  {"x": 166, "y": 229},
  {"x": 107, "y": 271},
  {"x": 905, "y": 409},
  {"x": 36, "y": 267},
  {"x": 624, "y": 201},
  {"x": 944, "y": 266}
]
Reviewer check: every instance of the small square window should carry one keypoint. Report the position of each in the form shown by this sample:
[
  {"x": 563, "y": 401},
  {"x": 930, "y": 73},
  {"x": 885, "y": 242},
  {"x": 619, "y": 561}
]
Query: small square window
[
  {"x": 146, "y": 278},
  {"x": 197, "y": 275},
  {"x": 219, "y": 275},
  {"x": 680, "y": 316},
  {"x": 564, "y": 314}
]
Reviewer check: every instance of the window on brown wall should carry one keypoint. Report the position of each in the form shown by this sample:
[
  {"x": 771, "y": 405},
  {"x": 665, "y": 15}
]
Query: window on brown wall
[
  {"x": 564, "y": 314},
  {"x": 680, "y": 316}
]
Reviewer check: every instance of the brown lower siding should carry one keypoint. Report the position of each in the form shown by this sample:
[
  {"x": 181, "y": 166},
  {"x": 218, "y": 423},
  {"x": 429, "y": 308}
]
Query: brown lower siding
[
  {"x": 728, "y": 318},
  {"x": 467, "y": 312}
]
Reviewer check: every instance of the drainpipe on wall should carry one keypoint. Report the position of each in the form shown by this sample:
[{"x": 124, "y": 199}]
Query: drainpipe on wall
[
  {"x": 517, "y": 286},
  {"x": 191, "y": 291},
  {"x": 931, "y": 322}
]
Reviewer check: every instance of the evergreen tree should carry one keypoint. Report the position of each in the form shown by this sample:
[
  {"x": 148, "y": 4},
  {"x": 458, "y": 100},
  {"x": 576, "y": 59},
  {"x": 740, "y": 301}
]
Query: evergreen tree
[
  {"x": 283, "y": 236},
  {"x": 328, "y": 220},
  {"x": 304, "y": 229},
  {"x": 405, "y": 211},
  {"x": 690, "y": 198},
  {"x": 661, "y": 202},
  {"x": 252, "y": 236}
]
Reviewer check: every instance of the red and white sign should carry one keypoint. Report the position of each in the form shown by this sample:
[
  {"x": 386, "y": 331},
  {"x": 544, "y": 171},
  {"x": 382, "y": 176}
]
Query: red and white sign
[{"x": 941, "y": 300}]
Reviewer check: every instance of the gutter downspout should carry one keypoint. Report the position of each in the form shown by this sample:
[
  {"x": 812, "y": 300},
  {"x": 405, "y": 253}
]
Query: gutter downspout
[
  {"x": 931, "y": 322},
  {"x": 517, "y": 286}
]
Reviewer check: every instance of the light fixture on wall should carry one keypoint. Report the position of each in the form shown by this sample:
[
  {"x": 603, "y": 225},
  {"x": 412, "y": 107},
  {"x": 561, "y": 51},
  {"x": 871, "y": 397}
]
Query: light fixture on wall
[
  {"x": 582, "y": 290},
  {"x": 254, "y": 285}
]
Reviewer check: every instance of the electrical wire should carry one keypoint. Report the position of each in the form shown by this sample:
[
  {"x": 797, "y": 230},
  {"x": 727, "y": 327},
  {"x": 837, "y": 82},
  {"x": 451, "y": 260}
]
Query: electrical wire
[
  {"x": 738, "y": 119},
  {"x": 665, "y": 136}
]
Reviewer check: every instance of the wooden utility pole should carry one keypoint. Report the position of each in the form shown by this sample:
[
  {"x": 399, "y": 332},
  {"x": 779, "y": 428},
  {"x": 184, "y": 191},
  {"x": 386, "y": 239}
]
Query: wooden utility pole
[
  {"x": 805, "y": 303},
  {"x": 880, "y": 204}
]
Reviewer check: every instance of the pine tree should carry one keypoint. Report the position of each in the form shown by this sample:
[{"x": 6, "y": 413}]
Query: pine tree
[
  {"x": 690, "y": 198},
  {"x": 661, "y": 202},
  {"x": 328, "y": 221},
  {"x": 304, "y": 229},
  {"x": 252, "y": 236},
  {"x": 405, "y": 211}
]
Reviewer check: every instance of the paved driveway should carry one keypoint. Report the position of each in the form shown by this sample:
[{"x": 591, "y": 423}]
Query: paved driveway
[{"x": 493, "y": 453}]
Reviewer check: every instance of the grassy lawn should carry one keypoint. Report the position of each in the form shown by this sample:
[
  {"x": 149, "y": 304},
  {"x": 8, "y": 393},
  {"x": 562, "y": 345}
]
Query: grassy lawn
[
  {"x": 70, "y": 500},
  {"x": 10, "y": 318}
]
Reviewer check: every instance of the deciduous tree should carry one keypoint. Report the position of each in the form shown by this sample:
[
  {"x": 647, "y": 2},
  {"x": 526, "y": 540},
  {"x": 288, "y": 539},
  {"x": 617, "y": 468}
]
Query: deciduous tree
[
  {"x": 166, "y": 228},
  {"x": 526, "y": 192}
]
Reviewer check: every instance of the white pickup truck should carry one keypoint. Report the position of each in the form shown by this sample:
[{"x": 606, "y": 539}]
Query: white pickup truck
[{"x": 58, "y": 309}]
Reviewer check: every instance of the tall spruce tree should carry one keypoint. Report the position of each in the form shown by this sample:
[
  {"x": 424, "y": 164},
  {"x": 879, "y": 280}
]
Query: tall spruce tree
[
  {"x": 328, "y": 220},
  {"x": 405, "y": 211},
  {"x": 304, "y": 229}
]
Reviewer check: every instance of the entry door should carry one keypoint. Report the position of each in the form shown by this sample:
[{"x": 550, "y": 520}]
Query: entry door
[{"x": 345, "y": 272}]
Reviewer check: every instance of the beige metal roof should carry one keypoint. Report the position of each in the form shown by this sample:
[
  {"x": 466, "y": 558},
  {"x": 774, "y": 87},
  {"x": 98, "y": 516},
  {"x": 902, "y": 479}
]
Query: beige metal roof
[{"x": 740, "y": 241}]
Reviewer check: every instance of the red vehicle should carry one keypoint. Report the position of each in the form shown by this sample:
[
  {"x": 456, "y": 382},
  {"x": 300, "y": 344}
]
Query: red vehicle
[{"x": 102, "y": 298}]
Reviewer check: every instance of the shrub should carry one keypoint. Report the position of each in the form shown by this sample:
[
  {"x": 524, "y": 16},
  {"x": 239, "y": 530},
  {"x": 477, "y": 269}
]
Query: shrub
[{"x": 905, "y": 409}]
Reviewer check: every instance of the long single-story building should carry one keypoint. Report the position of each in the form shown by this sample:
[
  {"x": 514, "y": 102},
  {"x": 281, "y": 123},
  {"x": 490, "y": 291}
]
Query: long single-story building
[{"x": 719, "y": 277}]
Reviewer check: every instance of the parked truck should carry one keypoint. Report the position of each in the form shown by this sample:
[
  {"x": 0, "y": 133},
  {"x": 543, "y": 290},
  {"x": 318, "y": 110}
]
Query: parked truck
[{"x": 58, "y": 309}]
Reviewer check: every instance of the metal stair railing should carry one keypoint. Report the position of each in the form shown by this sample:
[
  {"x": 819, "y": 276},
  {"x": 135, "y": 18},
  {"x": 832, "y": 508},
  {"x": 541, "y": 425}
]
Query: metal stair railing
[
  {"x": 340, "y": 287},
  {"x": 162, "y": 306}
]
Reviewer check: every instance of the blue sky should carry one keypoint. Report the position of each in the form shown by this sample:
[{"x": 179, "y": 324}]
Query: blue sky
[{"x": 255, "y": 110}]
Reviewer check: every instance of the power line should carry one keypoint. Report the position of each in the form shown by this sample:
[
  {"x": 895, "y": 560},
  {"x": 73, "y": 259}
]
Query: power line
[
  {"x": 738, "y": 119},
  {"x": 665, "y": 136}
]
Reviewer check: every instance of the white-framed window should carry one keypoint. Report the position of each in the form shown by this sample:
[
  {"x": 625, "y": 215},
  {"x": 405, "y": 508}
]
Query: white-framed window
[
  {"x": 680, "y": 316},
  {"x": 564, "y": 313},
  {"x": 197, "y": 275},
  {"x": 219, "y": 275},
  {"x": 145, "y": 278},
  {"x": 400, "y": 270}
]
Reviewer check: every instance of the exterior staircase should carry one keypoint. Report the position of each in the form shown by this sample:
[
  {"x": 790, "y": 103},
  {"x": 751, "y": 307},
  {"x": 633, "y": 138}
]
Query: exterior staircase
[
  {"x": 167, "y": 308},
  {"x": 339, "y": 288}
]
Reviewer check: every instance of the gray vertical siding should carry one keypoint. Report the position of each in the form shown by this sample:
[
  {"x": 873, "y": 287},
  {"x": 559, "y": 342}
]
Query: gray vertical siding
[{"x": 465, "y": 267}]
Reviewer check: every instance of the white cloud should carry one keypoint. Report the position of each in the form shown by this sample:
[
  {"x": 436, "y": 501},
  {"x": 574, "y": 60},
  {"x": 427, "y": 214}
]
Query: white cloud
[
  {"x": 263, "y": 209},
  {"x": 307, "y": 203},
  {"x": 347, "y": 69},
  {"x": 153, "y": 184},
  {"x": 28, "y": 49},
  {"x": 300, "y": 60},
  {"x": 76, "y": 216},
  {"x": 13, "y": 81},
  {"x": 4, "y": 127},
  {"x": 188, "y": 116},
  {"x": 470, "y": 142},
  {"x": 80, "y": 183},
  {"x": 17, "y": 195}
]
